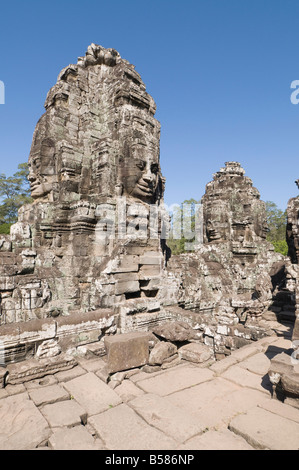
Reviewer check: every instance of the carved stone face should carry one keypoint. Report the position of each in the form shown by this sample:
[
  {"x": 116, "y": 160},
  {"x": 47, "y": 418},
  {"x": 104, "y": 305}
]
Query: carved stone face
[
  {"x": 42, "y": 172},
  {"x": 217, "y": 223},
  {"x": 140, "y": 173},
  {"x": 260, "y": 225},
  {"x": 212, "y": 233}
]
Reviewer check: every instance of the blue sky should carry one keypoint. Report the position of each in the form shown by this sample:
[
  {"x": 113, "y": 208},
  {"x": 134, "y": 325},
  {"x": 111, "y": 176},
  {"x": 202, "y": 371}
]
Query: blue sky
[{"x": 220, "y": 72}]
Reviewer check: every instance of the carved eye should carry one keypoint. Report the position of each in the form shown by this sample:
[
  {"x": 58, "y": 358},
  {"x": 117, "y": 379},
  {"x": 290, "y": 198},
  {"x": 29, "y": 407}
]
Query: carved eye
[
  {"x": 36, "y": 162},
  {"x": 141, "y": 165},
  {"x": 154, "y": 168}
]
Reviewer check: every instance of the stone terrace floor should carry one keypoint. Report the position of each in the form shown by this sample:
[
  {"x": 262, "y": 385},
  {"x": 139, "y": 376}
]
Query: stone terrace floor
[{"x": 223, "y": 406}]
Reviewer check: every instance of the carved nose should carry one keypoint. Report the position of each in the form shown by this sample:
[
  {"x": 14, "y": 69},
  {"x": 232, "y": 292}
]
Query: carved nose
[
  {"x": 148, "y": 177},
  {"x": 31, "y": 176}
]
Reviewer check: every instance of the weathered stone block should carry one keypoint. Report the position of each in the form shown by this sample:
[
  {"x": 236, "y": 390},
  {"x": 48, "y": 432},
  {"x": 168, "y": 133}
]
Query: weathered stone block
[
  {"x": 195, "y": 352},
  {"x": 127, "y": 264},
  {"x": 161, "y": 351},
  {"x": 125, "y": 277},
  {"x": 79, "y": 329},
  {"x": 7, "y": 282},
  {"x": 150, "y": 260},
  {"x": 175, "y": 331},
  {"x": 126, "y": 287},
  {"x": 33, "y": 369},
  {"x": 127, "y": 351},
  {"x": 149, "y": 271}
]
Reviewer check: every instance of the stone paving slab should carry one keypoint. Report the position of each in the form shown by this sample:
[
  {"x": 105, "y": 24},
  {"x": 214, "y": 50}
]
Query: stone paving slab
[
  {"x": 221, "y": 366},
  {"x": 92, "y": 393},
  {"x": 215, "y": 402},
  {"x": 175, "y": 379},
  {"x": 265, "y": 430},
  {"x": 222, "y": 410},
  {"x": 92, "y": 365},
  {"x": 22, "y": 426},
  {"x": 200, "y": 396},
  {"x": 246, "y": 352},
  {"x": 281, "y": 409},
  {"x": 64, "y": 414},
  {"x": 66, "y": 375},
  {"x": 121, "y": 428},
  {"x": 40, "y": 383},
  {"x": 216, "y": 440},
  {"x": 14, "y": 389},
  {"x": 127, "y": 391},
  {"x": 76, "y": 438},
  {"x": 245, "y": 378},
  {"x": 162, "y": 414},
  {"x": 258, "y": 364},
  {"x": 226, "y": 405},
  {"x": 48, "y": 395}
]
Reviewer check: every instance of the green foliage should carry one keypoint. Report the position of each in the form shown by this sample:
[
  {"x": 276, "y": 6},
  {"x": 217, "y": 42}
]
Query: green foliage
[
  {"x": 14, "y": 192},
  {"x": 5, "y": 229},
  {"x": 281, "y": 246},
  {"x": 277, "y": 221},
  {"x": 182, "y": 221}
]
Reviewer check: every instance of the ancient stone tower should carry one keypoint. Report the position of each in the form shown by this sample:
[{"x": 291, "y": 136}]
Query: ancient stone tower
[
  {"x": 293, "y": 243},
  {"x": 86, "y": 242},
  {"x": 293, "y": 228},
  {"x": 284, "y": 369},
  {"x": 230, "y": 280}
]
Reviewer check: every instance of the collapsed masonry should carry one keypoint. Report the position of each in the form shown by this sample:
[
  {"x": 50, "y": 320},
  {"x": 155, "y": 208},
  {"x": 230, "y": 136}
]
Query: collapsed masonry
[{"x": 88, "y": 258}]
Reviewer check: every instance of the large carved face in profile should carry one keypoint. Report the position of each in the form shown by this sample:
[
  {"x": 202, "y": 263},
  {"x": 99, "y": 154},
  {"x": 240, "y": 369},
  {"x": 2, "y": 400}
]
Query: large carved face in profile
[
  {"x": 260, "y": 223},
  {"x": 42, "y": 173}
]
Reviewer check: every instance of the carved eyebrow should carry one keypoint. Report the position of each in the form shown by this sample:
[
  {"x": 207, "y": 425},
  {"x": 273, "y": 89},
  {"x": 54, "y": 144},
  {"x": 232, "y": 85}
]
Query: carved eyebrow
[{"x": 36, "y": 160}]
